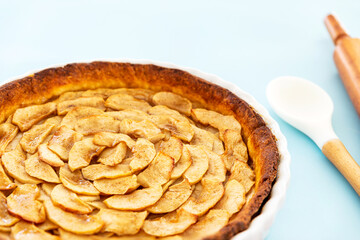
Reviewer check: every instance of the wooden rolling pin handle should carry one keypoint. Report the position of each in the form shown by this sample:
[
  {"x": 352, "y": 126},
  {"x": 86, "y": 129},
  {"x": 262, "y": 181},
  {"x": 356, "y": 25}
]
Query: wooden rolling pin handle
[
  {"x": 334, "y": 28},
  {"x": 336, "y": 152}
]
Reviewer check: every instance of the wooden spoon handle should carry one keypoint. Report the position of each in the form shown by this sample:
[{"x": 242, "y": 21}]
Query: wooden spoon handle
[{"x": 336, "y": 152}]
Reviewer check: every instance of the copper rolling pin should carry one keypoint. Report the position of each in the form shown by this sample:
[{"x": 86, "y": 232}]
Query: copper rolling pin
[{"x": 347, "y": 59}]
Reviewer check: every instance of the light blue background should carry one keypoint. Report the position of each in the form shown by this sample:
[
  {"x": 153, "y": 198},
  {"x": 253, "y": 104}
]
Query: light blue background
[{"x": 244, "y": 42}]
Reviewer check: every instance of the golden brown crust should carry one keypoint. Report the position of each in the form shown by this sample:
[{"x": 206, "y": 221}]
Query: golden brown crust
[{"x": 49, "y": 83}]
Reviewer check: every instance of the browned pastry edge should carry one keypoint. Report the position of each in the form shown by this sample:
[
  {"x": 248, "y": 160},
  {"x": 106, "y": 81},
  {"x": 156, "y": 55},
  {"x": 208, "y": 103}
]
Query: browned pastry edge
[{"x": 49, "y": 83}]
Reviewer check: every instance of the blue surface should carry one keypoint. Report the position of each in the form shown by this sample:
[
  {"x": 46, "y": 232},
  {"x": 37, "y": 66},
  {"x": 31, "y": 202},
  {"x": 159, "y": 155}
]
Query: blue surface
[{"x": 245, "y": 42}]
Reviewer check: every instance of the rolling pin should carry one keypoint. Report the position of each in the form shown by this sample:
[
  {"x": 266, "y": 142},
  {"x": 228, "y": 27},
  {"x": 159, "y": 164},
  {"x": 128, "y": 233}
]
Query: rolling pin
[{"x": 347, "y": 59}]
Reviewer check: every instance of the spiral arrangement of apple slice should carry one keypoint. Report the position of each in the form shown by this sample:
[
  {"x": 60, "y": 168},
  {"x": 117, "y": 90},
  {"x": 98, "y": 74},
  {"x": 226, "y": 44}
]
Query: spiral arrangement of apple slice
[{"x": 120, "y": 162}]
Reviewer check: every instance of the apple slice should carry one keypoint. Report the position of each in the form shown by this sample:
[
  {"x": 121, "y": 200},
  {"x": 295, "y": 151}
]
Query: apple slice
[
  {"x": 77, "y": 113},
  {"x": 217, "y": 169},
  {"x": 75, "y": 223},
  {"x": 23, "y": 202},
  {"x": 163, "y": 110},
  {"x": 142, "y": 129},
  {"x": 241, "y": 172},
  {"x": 119, "y": 185},
  {"x": 204, "y": 197},
  {"x": 76, "y": 182},
  {"x": 24, "y": 230},
  {"x": 5, "y": 182},
  {"x": 233, "y": 199},
  {"x": 179, "y": 129},
  {"x": 235, "y": 148},
  {"x": 82, "y": 152},
  {"x": 111, "y": 139},
  {"x": 97, "y": 123},
  {"x": 144, "y": 152},
  {"x": 173, "y": 101},
  {"x": 14, "y": 163},
  {"x": 137, "y": 200},
  {"x": 132, "y": 114},
  {"x": 173, "y": 198},
  {"x": 66, "y": 106},
  {"x": 113, "y": 156},
  {"x": 182, "y": 165},
  {"x": 172, "y": 147},
  {"x": 207, "y": 225},
  {"x": 199, "y": 166},
  {"x": 69, "y": 201},
  {"x": 41, "y": 170},
  {"x": 35, "y": 136},
  {"x": 158, "y": 172},
  {"x": 7, "y": 134},
  {"x": 14, "y": 143},
  {"x": 138, "y": 93},
  {"x": 49, "y": 157},
  {"x": 69, "y": 96},
  {"x": 47, "y": 225},
  {"x": 6, "y": 219},
  {"x": 124, "y": 101},
  {"x": 169, "y": 224},
  {"x": 62, "y": 141},
  {"x": 122, "y": 222},
  {"x": 98, "y": 171},
  {"x": 48, "y": 187},
  {"x": 216, "y": 120},
  {"x": 207, "y": 139},
  {"x": 26, "y": 117}
]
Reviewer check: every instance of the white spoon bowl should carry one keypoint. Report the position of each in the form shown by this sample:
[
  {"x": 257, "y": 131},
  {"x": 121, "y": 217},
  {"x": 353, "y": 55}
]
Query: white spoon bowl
[
  {"x": 309, "y": 108},
  {"x": 304, "y": 105}
]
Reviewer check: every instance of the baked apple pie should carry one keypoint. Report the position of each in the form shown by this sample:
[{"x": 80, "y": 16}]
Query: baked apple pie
[{"x": 129, "y": 151}]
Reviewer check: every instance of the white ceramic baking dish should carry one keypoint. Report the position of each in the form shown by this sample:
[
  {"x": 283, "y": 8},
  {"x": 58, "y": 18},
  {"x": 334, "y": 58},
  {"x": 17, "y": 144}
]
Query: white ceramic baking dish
[{"x": 260, "y": 225}]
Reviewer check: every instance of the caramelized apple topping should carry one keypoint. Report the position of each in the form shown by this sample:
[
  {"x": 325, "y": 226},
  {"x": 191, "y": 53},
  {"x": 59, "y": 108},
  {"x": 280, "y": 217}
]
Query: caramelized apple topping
[{"x": 120, "y": 164}]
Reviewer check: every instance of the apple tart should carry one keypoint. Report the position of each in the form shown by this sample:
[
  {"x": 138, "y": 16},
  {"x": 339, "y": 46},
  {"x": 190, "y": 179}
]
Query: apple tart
[{"x": 129, "y": 151}]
